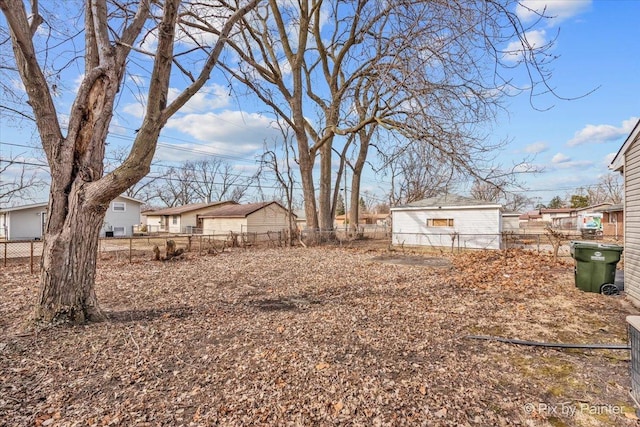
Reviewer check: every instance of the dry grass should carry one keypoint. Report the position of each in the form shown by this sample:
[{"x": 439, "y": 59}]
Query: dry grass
[{"x": 320, "y": 336}]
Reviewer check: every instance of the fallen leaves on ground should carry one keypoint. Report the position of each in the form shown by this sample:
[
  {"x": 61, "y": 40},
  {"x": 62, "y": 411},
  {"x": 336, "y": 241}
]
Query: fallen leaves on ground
[{"x": 319, "y": 336}]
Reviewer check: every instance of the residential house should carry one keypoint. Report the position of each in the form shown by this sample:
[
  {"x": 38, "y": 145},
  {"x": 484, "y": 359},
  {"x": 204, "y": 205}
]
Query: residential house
[
  {"x": 122, "y": 216},
  {"x": 562, "y": 218},
  {"x": 180, "y": 219},
  {"x": 627, "y": 161},
  {"x": 612, "y": 220},
  {"x": 448, "y": 219},
  {"x": 257, "y": 218},
  {"x": 28, "y": 222},
  {"x": 364, "y": 218}
]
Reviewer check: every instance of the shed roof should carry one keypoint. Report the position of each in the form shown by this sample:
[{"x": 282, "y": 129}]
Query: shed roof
[
  {"x": 556, "y": 210},
  {"x": 19, "y": 208},
  {"x": 236, "y": 210},
  {"x": 611, "y": 208},
  {"x": 448, "y": 201},
  {"x": 177, "y": 210},
  {"x": 45, "y": 204}
]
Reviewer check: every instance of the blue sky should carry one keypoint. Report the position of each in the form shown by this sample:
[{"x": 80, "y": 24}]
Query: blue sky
[{"x": 572, "y": 141}]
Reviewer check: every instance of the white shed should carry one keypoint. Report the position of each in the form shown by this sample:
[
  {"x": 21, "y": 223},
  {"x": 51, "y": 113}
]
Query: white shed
[
  {"x": 441, "y": 220},
  {"x": 23, "y": 222},
  {"x": 256, "y": 218},
  {"x": 627, "y": 161}
]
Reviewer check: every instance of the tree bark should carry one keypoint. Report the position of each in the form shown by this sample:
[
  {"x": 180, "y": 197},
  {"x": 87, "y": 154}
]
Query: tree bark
[
  {"x": 68, "y": 265},
  {"x": 80, "y": 193}
]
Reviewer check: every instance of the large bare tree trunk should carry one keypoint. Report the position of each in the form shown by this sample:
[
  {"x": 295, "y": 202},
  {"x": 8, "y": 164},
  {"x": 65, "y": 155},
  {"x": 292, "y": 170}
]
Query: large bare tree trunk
[
  {"x": 69, "y": 256},
  {"x": 324, "y": 197},
  {"x": 80, "y": 193}
]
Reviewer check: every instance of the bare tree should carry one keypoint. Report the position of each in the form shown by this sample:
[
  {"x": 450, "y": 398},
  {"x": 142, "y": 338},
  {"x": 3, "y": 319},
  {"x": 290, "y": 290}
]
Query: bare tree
[
  {"x": 214, "y": 180},
  {"x": 176, "y": 187},
  {"x": 609, "y": 189},
  {"x": 280, "y": 167},
  {"x": 17, "y": 181},
  {"x": 197, "y": 181},
  {"x": 418, "y": 172},
  {"x": 516, "y": 202},
  {"x": 435, "y": 67},
  {"x": 487, "y": 191},
  {"x": 80, "y": 192},
  {"x": 143, "y": 190}
]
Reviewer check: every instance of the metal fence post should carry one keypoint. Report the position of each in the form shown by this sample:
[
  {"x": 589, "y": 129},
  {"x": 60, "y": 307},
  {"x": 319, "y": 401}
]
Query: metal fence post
[
  {"x": 5, "y": 254},
  {"x": 31, "y": 257},
  {"x": 130, "y": 248}
]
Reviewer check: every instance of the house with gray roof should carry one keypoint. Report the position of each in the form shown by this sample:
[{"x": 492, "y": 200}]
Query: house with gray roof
[
  {"x": 180, "y": 219},
  {"x": 448, "y": 220},
  {"x": 27, "y": 222}
]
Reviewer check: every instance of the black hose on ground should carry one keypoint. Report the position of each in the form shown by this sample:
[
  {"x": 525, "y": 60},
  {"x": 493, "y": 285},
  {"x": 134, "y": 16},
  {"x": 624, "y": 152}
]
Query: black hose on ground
[{"x": 549, "y": 344}]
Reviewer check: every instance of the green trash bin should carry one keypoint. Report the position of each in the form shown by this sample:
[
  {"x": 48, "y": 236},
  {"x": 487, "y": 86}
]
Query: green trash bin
[{"x": 595, "y": 266}]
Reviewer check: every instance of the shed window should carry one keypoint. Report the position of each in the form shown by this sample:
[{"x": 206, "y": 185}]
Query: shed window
[
  {"x": 119, "y": 206},
  {"x": 440, "y": 222}
]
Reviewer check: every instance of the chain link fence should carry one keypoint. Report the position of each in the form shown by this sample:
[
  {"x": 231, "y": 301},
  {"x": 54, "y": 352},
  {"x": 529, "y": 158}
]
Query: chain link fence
[{"x": 141, "y": 248}]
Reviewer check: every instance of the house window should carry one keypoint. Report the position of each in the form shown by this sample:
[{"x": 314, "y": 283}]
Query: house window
[
  {"x": 119, "y": 206},
  {"x": 118, "y": 231},
  {"x": 174, "y": 219},
  {"x": 440, "y": 222}
]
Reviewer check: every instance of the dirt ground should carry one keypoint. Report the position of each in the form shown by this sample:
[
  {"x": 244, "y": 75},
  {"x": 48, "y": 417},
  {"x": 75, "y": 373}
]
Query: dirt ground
[{"x": 321, "y": 336}]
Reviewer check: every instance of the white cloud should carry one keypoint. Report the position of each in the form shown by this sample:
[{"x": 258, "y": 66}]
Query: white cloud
[
  {"x": 536, "y": 148},
  {"x": 609, "y": 158},
  {"x": 602, "y": 133},
  {"x": 206, "y": 99},
  {"x": 136, "y": 110},
  {"x": 230, "y": 126},
  {"x": 575, "y": 164},
  {"x": 232, "y": 133},
  {"x": 173, "y": 152},
  {"x": 559, "y": 10},
  {"x": 560, "y": 158},
  {"x": 536, "y": 39}
]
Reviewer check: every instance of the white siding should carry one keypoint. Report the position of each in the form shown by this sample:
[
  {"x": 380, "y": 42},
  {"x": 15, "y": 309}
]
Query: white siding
[
  {"x": 477, "y": 227},
  {"x": 222, "y": 226},
  {"x": 25, "y": 224},
  {"x": 154, "y": 223},
  {"x": 122, "y": 219},
  {"x": 175, "y": 224},
  {"x": 189, "y": 219},
  {"x": 4, "y": 226},
  {"x": 510, "y": 223},
  {"x": 632, "y": 221},
  {"x": 269, "y": 218}
]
